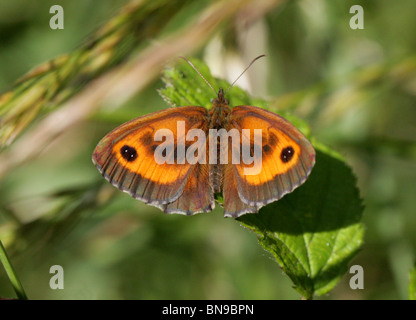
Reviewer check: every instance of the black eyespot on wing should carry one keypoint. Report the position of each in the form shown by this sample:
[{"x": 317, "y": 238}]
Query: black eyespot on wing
[
  {"x": 128, "y": 153},
  {"x": 287, "y": 154}
]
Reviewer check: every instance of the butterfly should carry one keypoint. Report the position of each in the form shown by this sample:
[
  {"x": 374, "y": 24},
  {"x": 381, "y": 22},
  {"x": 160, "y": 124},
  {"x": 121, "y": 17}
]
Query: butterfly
[{"x": 179, "y": 158}]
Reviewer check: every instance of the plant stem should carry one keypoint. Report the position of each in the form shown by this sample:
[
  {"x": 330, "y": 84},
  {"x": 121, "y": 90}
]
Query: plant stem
[{"x": 17, "y": 286}]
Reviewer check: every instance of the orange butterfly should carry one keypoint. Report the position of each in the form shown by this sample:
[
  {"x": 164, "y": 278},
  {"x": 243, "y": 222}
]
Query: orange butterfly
[{"x": 196, "y": 167}]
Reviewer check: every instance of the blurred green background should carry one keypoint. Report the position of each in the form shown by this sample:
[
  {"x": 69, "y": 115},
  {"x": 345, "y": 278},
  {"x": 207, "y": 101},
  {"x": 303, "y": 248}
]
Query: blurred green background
[{"x": 356, "y": 89}]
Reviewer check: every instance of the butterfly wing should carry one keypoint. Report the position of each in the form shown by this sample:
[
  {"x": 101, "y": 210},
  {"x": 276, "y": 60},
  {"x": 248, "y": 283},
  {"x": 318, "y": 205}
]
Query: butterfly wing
[
  {"x": 233, "y": 205},
  {"x": 286, "y": 158},
  {"x": 126, "y": 158}
]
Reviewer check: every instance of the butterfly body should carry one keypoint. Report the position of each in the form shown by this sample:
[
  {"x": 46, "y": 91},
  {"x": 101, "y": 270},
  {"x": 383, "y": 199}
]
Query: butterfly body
[
  {"x": 219, "y": 115},
  {"x": 203, "y": 158}
]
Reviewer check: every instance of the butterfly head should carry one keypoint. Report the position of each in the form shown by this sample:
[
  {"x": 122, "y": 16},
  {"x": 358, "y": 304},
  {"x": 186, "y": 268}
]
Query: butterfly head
[{"x": 221, "y": 98}]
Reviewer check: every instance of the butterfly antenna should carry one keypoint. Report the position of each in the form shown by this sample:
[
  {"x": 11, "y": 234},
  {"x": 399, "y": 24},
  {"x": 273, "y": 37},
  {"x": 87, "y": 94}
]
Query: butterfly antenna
[
  {"x": 252, "y": 61},
  {"x": 206, "y": 81}
]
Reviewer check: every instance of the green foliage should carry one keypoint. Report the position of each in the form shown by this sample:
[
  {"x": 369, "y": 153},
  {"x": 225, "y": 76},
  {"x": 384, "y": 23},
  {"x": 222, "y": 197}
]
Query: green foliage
[
  {"x": 312, "y": 232},
  {"x": 184, "y": 87},
  {"x": 354, "y": 88},
  {"x": 412, "y": 284},
  {"x": 44, "y": 88}
]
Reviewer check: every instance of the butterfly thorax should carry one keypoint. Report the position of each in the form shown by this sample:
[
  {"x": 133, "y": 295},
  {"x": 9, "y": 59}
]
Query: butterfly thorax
[{"x": 220, "y": 112}]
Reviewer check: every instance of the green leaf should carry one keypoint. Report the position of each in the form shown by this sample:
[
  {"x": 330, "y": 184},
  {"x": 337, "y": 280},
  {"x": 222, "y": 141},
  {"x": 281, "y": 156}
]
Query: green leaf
[
  {"x": 412, "y": 284},
  {"x": 312, "y": 232},
  {"x": 184, "y": 87}
]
